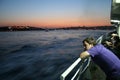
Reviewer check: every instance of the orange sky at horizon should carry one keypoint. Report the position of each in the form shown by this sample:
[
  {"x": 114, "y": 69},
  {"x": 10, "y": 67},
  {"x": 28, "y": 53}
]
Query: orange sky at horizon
[
  {"x": 55, "y": 13},
  {"x": 55, "y": 22}
]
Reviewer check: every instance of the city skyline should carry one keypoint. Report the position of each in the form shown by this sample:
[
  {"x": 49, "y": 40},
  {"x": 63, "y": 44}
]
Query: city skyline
[{"x": 55, "y": 13}]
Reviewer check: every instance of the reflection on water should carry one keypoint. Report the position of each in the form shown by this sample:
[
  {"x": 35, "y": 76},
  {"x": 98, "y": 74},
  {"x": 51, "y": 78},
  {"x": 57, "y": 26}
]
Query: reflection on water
[{"x": 39, "y": 55}]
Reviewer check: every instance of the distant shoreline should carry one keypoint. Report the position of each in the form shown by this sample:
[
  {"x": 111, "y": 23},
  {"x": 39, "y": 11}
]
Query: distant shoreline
[{"x": 28, "y": 28}]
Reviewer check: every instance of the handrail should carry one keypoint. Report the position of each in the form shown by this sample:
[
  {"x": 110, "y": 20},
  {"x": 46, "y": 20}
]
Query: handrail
[
  {"x": 99, "y": 40},
  {"x": 84, "y": 66},
  {"x": 81, "y": 69},
  {"x": 63, "y": 76}
]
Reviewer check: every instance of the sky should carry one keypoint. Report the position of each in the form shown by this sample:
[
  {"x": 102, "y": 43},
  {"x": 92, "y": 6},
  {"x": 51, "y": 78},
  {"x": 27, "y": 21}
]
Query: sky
[{"x": 55, "y": 13}]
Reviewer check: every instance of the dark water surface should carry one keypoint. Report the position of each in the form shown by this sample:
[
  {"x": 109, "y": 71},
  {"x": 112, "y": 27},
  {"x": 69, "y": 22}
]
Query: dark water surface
[{"x": 39, "y": 55}]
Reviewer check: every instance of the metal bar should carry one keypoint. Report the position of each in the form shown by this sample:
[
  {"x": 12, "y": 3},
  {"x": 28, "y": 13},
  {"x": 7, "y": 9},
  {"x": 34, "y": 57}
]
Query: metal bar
[
  {"x": 99, "y": 40},
  {"x": 63, "y": 76},
  {"x": 76, "y": 73}
]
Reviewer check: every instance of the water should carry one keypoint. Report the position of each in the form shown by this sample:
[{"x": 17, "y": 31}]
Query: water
[{"x": 40, "y": 55}]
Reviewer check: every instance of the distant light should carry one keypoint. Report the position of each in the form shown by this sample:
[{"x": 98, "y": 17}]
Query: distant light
[{"x": 117, "y": 1}]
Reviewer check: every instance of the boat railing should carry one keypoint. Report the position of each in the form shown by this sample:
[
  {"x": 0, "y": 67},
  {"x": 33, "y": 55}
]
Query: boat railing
[
  {"x": 83, "y": 66},
  {"x": 99, "y": 40}
]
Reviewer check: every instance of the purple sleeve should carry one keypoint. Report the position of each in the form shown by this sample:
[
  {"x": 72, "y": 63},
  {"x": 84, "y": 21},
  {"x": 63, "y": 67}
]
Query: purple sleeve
[{"x": 93, "y": 51}]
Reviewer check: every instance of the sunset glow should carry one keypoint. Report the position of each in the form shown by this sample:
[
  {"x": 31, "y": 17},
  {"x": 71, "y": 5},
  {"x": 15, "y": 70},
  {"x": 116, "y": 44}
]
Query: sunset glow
[{"x": 55, "y": 13}]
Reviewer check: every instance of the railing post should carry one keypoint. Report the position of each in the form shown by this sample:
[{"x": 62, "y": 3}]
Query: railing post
[{"x": 63, "y": 76}]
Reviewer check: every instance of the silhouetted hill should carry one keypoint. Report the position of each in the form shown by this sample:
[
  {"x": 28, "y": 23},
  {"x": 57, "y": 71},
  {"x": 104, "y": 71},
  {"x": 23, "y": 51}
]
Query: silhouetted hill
[
  {"x": 28, "y": 28},
  {"x": 5, "y": 28},
  {"x": 19, "y": 28}
]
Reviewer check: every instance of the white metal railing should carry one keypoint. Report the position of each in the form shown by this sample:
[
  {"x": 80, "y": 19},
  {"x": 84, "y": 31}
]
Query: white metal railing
[
  {"x": 99, "y": 40},
  {"x": 80, "y": 70},
  {"x": 63, "y": 76}
]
